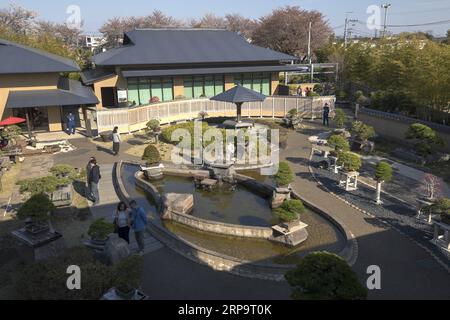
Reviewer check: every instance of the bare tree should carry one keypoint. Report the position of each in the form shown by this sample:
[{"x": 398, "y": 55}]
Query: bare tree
[
  {"x": 242, "y": 25},
  {"x": 18, "y": 19},
  {"x": 209, "y": 21},
  {"x": 70, "y": 36},
  {"x": 286, "y": 30},
  {"x": 432, "y": 187},
  {"x": 113, "y": 29}
]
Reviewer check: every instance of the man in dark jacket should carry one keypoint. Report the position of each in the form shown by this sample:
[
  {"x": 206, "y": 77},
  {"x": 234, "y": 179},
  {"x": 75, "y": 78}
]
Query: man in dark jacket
[
  {"x": 94, "y": 179},
  {"x": 326, "y": 115}
]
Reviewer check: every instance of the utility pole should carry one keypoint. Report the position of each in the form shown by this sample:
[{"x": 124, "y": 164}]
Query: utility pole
[
  {"x": 385, "y": 6},
  {"x": 347, "y": 30},
  {"x": 311, "y": 67}
]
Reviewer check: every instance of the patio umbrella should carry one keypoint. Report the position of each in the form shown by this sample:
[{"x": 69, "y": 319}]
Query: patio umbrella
[
  {"x": 12, "y": 121},
  {"x": 239, "y": 95}
]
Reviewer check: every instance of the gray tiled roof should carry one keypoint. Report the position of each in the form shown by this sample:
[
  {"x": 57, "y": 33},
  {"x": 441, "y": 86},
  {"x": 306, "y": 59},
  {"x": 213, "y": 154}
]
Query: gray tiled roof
[
  {"x": 92, "y": 75},
  {"x": 69, "y": 92},
  {"x": 16, "y": 58},
  {"x": 185, "y": 46}
]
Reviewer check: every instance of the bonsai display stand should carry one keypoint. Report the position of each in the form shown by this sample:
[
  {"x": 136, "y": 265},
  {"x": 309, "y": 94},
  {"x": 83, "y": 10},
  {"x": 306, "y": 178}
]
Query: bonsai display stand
[
  {"x": 441, "y": 237},
  {"x": 41, "y": 245},
  {"x": 349, "y": 180},
  {"x": 290, "y": 234}
]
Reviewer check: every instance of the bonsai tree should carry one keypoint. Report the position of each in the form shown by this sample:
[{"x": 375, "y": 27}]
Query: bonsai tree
[
  {"x": 64, "y": 171},
  {"x": 339, "y": 143},
  {"x": 383, "y": 174},
  {"x": 285, "y": 176},
  {"x": 362, "y": 132},
  {"x": 151, "y": 156},
  {"x": 37, "y": 209},
  {"x": 290, "y": 210},
  {"x": 340, "y": 118},
  {"x": 292, "y": 113},
  {"x": 325, "y": 276},
  {"x": 100, "y": 230},
  {"x": 349, "y": 161},
  {"x": 427, "y": 141},
  {"x": 318, "y": 88},
  {"x": 360, "y": 98},
  {"x": 11, "y": 133},
  {"x": 127, "y": 276},
  {"x": 154, "y": 128},
  {"x": 45, "y": 185},
  {"x": 442, "y": 207}
]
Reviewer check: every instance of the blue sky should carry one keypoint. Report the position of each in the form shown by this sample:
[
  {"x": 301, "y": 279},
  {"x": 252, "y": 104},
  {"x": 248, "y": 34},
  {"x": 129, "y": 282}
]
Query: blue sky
[{"x": 94, "y": 12}]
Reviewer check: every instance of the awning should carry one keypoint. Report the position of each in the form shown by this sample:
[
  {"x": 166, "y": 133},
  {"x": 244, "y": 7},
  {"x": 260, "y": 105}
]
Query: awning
[
  {"x": 69, "y": 93},
  {"x": 198, "y": 71}
]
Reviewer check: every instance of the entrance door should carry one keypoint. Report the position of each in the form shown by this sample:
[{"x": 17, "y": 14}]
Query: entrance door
[{"x": 109, "y": 97}]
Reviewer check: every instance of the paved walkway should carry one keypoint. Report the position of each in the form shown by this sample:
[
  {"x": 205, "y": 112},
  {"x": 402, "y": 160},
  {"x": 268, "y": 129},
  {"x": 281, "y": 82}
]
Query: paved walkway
[
  {"x": 107, "y": 205},
  {"x": 408, "y": 271}
]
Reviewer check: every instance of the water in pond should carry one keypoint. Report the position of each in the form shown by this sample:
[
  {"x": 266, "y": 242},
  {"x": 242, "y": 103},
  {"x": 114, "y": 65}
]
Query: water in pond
[
  {"x": 322, "y": 234},
  {"x": 238, "y": 206}
]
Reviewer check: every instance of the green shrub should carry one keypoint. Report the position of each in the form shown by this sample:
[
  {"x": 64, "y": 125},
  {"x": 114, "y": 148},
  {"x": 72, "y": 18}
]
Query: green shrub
[
  {"x": 36, "y": 208},
  {"x": 383, "y": 172},
  {"x": 47, "y": 280},
  {"x": 127, "y": 273},
  {"x": 442, "y": 207},
  {"x": 100, "y": 229},
  {"x": 361, "y": 131},
  {"x": 151, "y": 155},
  {"x": 153, "y": 125},
  {"x": 42, "y": 185},
  {"x": 290, "y": 210},
  {"x": 11, "y": 133},
  {"x": 292, "y": 113},
  {"x": 318, "y": 88},
  {"x": 340, "y": 118},
  {"x": 325, "y": 276},
  {"x": 64, "y": 171},
  {"x": 349, "y": 161},
  {"x": 285, "y": 176},
  {"x": 339, "y": 143},
  {"x": 427, "y": 140}
]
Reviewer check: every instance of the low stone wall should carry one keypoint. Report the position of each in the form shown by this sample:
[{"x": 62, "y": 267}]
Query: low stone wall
[{"x": 202, "y": 224}]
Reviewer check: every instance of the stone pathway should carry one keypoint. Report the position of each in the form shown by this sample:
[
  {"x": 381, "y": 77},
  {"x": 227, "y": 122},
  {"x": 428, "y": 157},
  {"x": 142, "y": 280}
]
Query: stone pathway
[
  {"x": 108, "y": 203},
  {"x": 408, "y": 271}
]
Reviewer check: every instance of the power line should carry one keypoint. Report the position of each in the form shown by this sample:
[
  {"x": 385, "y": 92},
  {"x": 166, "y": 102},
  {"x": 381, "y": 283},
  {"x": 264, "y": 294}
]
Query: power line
[{"x": 410, "y": 25}]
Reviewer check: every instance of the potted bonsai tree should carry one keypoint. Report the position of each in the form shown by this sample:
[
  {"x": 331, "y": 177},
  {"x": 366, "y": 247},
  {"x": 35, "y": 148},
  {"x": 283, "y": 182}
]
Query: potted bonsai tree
[
  {"x": 154, "y": 128},
  {"x": 339, "y": 144},
  {"x": 152, "y": 159},
  {"x": 36, "y": 212},
  {"x": 350, "y": 163},
  {"x": 340, "y": 118},
  {"x": 127, "y": 276},
  {"x": 290, "y": 212},
  {"x": 284, "y": 176},
  {"x": 383, "y": 174},
  {"x": 361, "y": 134},
  {"x": 442, "y": 207},
  {"x": 99, "y": 231}
]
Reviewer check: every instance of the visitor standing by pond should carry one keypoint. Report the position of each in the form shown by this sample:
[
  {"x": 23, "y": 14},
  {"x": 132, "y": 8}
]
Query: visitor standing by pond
[
  {"x": 94, "y": 179},
  {"x": 139, "y": 223},
  {"x": 116, "y": 141},
  {"x": 122, "y": 221},
  {"x": 326, "y": 115}
]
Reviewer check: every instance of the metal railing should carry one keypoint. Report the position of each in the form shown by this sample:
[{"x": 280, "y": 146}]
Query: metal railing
[{"x": 134, "y": 119}]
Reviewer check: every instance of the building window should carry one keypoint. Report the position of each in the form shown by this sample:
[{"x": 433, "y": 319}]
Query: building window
[
  {"x": 203, "y": 86},
  {"x": 142, "y": 90},
  {"x": 259, "y": 82}
]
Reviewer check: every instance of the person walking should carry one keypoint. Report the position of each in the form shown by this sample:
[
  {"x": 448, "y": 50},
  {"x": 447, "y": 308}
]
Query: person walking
[
  {"x": 122, "y": 221},
  {"x": 116, "y": 141},
  {"x": 94, "y": 179},
  {"x": 88, "y": 175},
  {"x": 71, "y": 123},
  {"x": 326, "y": 115},
  {"x": 138, "y": 222}
]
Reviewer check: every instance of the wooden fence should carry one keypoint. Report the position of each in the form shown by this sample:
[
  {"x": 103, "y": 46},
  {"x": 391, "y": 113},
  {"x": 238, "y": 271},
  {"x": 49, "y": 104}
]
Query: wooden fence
[{"x": 135, "y": 119}]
